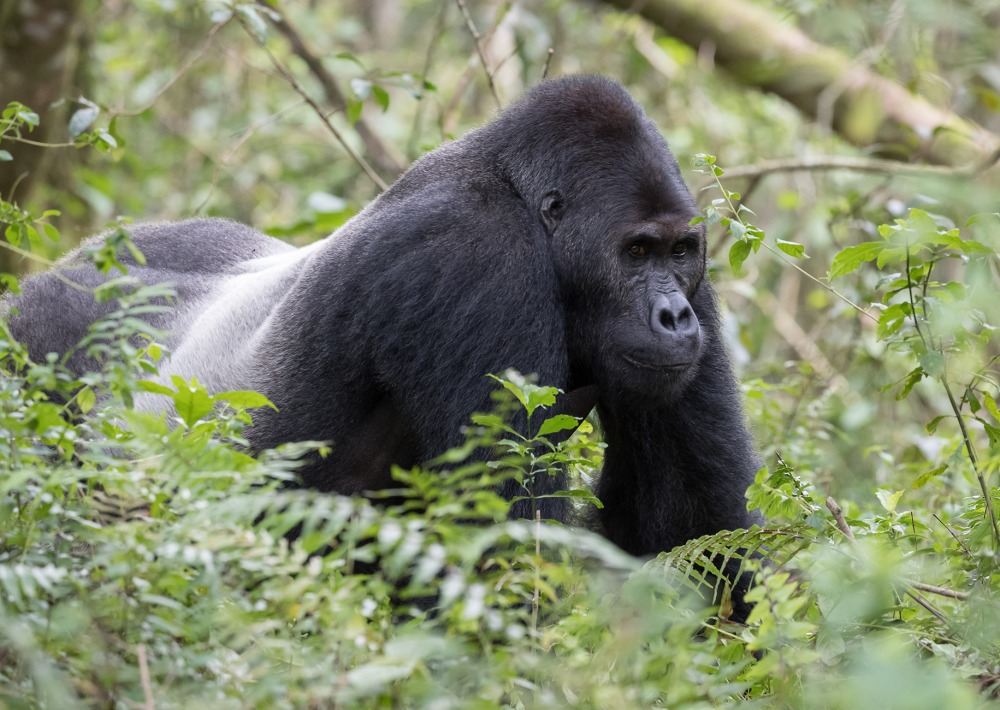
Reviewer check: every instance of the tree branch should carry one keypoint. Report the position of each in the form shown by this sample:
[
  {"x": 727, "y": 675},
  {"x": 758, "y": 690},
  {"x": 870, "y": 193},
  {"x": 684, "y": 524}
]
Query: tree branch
[
  {"x": 477, "y": 40},
  {"x": 759, "y": 49},
  {"x": 379, "y": 153},
  {"x": 859, "y": 165},
  {"x": 294, "y": 83}
]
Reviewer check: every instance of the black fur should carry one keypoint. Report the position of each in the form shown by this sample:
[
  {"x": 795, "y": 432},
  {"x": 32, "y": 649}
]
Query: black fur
[{"x": 555, "y": 240}]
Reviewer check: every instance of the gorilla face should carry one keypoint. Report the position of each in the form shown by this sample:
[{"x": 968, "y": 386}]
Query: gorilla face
[
  {"x": 630, "y": 271},
  {"x": 654, "y": 338}
]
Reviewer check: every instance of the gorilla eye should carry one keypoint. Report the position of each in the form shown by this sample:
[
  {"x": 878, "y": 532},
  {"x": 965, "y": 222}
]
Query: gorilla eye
[
  {"x": 638, "y": 250},
  {"x": 685, "y": 246}
]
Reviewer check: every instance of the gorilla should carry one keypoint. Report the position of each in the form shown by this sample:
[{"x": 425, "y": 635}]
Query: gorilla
[{"x": 556, "y": 240}]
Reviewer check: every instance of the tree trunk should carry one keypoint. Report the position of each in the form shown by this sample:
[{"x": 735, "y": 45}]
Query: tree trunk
[
  {"x": 36, "y": 58},
  {"x": 758, "y": 48}
]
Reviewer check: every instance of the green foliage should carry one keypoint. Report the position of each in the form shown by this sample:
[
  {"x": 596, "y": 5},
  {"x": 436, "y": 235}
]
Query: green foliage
[
  {"x": 143, "y": 558},
  {"x": 730, "y": 212}
]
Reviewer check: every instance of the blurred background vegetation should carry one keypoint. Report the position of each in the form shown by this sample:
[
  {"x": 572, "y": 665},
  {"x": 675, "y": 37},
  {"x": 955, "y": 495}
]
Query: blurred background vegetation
[
  {"x": 830, "y": 119},
  {"x": 204, "y": 119}
]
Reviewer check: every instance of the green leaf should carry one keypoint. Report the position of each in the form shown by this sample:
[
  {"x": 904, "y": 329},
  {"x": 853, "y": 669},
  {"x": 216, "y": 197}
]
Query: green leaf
[
  {"x": 994, "y": 435},
  {"x": 375, "y": 678},
  {"x": 793, "y": 249},
  {"x": 888, "y": 499},
  {"x": 559, "y": 422},
  {"x": 191, "y": 400},
  {"x": 849, "y": 259},
  {"x": 140, "y": 259},
  {"x": 530, "y": 396},
  {"x": 488, "y": 420},
  {"x": 381, "y": 97},
  {"x": 830, "y": 644},
  {"x": 28, "y": 116},
  {"x": 347, "y": 56},
  {"x": 354, "y": 109},
  {"x": 82, "y": 119},
  {"x": 5, "y": 156},
  {"x": 932, "y": 362},
  {"x": 892, "y": 319},
  {"x": 246, "y": 399},
  {"x": 928, "y": 476},
  {"x": 911, "y": 379},
  {"x": 991, "y": 406},
  {"x": 577, "y": 493},
  {"x": 539, "y": 397},
  {"x": 85, "y": 399},
  {"x": 932, "y": 425},
  {"x": 737, "y": 229},
  {"x": 738, "y": 253}
]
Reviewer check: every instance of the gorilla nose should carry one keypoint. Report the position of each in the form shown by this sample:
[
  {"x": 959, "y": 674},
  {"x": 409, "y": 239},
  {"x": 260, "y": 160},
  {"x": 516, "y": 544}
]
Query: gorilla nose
[{"x": 672, "y": 316}]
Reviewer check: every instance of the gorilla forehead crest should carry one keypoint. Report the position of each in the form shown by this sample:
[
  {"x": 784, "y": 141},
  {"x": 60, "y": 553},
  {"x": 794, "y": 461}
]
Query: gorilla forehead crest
[
  {"x": 555, "y": 241},
  {"x": 589, "y": 134}
]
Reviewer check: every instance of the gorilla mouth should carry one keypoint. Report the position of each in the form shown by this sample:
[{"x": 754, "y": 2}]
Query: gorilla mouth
[{"x": 658, "y": 366}]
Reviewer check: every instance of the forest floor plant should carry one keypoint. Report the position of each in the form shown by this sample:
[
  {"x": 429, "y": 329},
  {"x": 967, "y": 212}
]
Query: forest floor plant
[{"x": 144, "y": 559}]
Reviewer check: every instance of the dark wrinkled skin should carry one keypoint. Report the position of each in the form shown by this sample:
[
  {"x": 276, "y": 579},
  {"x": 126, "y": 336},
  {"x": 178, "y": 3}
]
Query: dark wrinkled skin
[{"x": 555, "y": 240}]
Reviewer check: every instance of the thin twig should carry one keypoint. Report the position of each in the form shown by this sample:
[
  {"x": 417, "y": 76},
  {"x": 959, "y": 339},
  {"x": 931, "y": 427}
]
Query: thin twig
[
  {"x": 952, "y": 533},
  {"x": 838, "y": 515},
  {"x": 973, "y": 459},
  {"x": 548, "y": 63},
  {"x": 374, "y": 146},
  {"x": 780, "y": 255},
  {"x": 250, "y": 131},
  {"x": 476, "y": 37},
  {"x": 297, "y": 87},
  {"x": 538, "y": 554},
  {"x": 25, "y": 253},
  {"x": 147, "y": 685},
  {"x": 859, "y": 165},
  {"x": 39, "y": 144},
  {"x": 940, "y": 591},
  {"x": 929, "y": 607},
  {"x": 184, "y": 69},
  {"x": 418, "y": 114},
  {"x": 47, "y": 262}
]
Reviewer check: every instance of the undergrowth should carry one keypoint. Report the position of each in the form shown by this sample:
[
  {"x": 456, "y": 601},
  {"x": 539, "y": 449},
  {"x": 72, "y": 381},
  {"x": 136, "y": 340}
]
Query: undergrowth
[{"x": 144, "y": 559}]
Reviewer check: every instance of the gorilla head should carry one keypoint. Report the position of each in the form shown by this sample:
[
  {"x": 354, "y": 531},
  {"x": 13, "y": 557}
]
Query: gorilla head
[{"x": 617, "y": 215}]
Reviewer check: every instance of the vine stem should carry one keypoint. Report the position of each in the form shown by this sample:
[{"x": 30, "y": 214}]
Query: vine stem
[
  {"x": 956, "y": 409},
  {"x": 287, "y": 75},
  {"x": 828, "y": 287},
  {"x": 535, "y": 597},
  {"x": 477, "y": 40},
  {"x": 973, "y": 459},
  {"x": 47, "y": 262}
]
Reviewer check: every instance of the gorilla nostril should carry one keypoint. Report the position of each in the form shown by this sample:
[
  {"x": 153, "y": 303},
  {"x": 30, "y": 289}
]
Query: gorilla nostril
[
  {"x": 683, "y": 319},
  {"x": 673, "y": 314}
]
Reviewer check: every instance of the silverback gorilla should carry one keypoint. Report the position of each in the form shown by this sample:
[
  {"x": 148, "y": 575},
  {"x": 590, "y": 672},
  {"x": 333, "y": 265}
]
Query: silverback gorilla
[{"x": 556, "y": 240}]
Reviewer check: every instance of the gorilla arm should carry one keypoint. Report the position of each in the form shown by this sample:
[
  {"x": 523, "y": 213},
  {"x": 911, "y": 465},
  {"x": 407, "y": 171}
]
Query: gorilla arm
[
  {"x": 397, "y": 322},
  {"x": 472, "y": 296}
]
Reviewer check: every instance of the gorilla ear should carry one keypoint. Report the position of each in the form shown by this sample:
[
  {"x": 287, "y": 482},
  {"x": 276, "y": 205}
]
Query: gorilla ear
[{"x": 552, "y": 210}]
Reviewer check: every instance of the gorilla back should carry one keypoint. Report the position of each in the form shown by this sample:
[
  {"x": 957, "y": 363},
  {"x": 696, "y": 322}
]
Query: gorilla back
[{"x": 555, "y": 240}]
